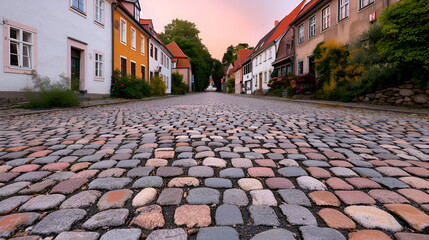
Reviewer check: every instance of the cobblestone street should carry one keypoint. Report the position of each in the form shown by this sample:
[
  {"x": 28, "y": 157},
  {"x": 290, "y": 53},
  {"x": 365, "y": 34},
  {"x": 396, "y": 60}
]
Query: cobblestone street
[{"x": 214, "y": 166}]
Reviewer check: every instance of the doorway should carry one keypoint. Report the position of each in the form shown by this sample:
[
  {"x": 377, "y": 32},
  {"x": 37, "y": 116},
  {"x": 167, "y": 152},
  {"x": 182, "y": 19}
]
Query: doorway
[
  {"x": 260, "y": 81},
  {"x": 75, "y": 69}
]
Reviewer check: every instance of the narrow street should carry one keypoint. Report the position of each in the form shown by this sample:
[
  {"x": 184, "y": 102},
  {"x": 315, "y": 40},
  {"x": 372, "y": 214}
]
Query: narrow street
[{"x": 214, "y": 166}]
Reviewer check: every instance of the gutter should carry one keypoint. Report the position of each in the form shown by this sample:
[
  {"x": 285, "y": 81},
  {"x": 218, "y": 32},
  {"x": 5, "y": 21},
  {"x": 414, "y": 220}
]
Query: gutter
[{"x": 114, "y": 6}]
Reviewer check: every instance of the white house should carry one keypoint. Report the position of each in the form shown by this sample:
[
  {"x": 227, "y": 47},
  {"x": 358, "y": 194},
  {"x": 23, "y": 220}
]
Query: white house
[
  {"x": 53, "y": 37},
  {"x": 159, "y": 56},
  {"x": 262, "y": 58}
]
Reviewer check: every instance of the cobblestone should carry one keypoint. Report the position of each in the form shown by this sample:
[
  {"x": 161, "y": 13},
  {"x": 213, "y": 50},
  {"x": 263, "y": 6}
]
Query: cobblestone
[{"x": 211, "y": 160}]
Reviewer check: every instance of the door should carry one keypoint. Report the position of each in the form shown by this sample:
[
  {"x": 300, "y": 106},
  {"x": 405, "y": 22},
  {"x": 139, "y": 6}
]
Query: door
[
  {"x": 75, "y": 70},
  {"x": 260, "y": 81}
]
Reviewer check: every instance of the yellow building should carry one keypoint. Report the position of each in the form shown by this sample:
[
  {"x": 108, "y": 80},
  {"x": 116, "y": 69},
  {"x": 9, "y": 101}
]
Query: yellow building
[{"x": 130, "y": 40}]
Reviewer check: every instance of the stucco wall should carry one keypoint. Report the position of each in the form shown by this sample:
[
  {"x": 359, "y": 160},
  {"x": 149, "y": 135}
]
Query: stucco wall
[
  {"x": 55, "y": 23},
  {"x": 154, "y": 64},
  {"x": 263, "y": 67}
]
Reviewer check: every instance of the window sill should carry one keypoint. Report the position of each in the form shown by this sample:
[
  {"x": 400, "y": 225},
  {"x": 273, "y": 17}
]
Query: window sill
[
  {"x": 125, "y": 43},
  {"x": 99, "y": 24},
  {"x": 324, "y": 30},
  {"x": 133, "y": 48},
  {"x": 18, "y": 70},
  {"x": 78, "y": 12},
  {"x": 99, "y": 79},
  {"x": 342, "y": 20}
]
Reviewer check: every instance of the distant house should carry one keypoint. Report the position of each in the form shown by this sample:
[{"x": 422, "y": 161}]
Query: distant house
[
  {"x": 323, "y": 20},
  {"x": 181, "y": 64},
  {"x": 264, "y": 53},
  {"x": 54, "y": 37},
  {"x": 159, "y": 56},
  {"x": 242, "y": 55},
  {"x": 130, "y": 40},
  {"x": 228, "y": 74}
]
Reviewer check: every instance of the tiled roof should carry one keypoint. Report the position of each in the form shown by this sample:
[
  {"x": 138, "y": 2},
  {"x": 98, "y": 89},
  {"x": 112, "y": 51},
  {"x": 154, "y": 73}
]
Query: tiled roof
[
  {"x": 277, "y": 31},
  {"x": 242, "y": 55},
  {"x": 183, "y": 63},
  {"x": 285, "y": 50},
  {"x": 148, "y": 25},
  {"x": 308, "y": 6},
  {"x": 175, "y": 50}
]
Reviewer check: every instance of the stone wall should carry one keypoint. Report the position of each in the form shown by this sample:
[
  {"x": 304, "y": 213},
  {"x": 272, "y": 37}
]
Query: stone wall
[{"x": 403, "y": 95}]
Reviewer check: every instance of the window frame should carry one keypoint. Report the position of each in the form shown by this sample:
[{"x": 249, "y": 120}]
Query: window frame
[
  {"x": 133, "y": 63},
  {"x": 301, "y": 36},
  {"x": 123, "y": 74},
  {"x": 143, "y": 73},
  {"x": 312, "y": 32},
  {"x": 151, "y": 50},
  {"x": 327, "y": 17},
  {"x": 100, "y": 65},
  {"x": 21, "y": 44},
  {"x": 156, "y": 54},
  {"x": 343, "y": 4},
  {"x": 133, "y": 38},
  {"x": 142, "y": 45},
  {"x": 300, "y": 69},
  {"x": 101, "y": 11},
  {"x": 361, "y": 6},
  {"x": 123, "y": 31},
  {"x": 76, "y": 9}
]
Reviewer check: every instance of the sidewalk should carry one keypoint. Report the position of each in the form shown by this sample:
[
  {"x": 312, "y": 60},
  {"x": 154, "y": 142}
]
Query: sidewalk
[
  {"x": 387, "y": 108},
  {"x": 18, "y": 111}
]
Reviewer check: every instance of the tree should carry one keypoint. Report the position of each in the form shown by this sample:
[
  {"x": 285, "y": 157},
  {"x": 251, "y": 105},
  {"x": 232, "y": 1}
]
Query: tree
[
  {"x": 178, "y": 87},
  {"x": 217, "y": 74},
  {"x": 404, "y": 43},
  {"x": 230, "y": 56},
  {"x": 186, "y": 35}
]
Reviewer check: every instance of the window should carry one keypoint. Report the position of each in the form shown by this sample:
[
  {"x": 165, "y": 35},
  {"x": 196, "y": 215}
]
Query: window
[
  {"x": 151, "y": 50},
  {"x": 20, "y": 48},
  {"x": 156, "y": 54},
  {"x": 265, "y": 77},
  {"x": 326, "y": 18},
  {"x": 98, "y": 65},
  {"x": 99, "y": 15},
  {"x": 162, "y": 58},
  {"x": 343, "y": 9},
  {"x": 312, "y": 27},
  {"x": 271, "y": 53},
  {"x": 143, "y": 71},
  {"x": 133, "y": 38},
  {"x": 137, "y": 13},
  {"x": 300, "y": 67},
  {"x": 133, "y": 68},
  {"x": 78, "y": 5},
  {"x": 301, "y": 33},
  {"x": 265, "y": 56},
  {"x": 364, "y": 3},
  {"x": 123, "y": 31},
  {"x": 123, "y": 67},
  {"x": 142, "y": 50}
]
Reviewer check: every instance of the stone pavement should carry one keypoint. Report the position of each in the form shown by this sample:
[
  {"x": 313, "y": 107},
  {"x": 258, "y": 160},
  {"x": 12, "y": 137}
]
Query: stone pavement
[{"x": 214, "y": 166}]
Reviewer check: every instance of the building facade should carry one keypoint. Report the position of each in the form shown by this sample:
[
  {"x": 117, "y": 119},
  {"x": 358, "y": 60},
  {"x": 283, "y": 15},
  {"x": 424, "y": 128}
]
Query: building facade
[
  {"x": 130, "y": 40},
  {"x": 181, "y": 64},
  {"x": 323, "y": 20},
  {"x": 242, "y": 56},
  {"x": 159, "y": 56},
  {"x": 74, "y": 39}
]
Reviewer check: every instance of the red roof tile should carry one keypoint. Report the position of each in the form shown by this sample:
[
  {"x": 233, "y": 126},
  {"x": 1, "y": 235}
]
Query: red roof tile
[
  {"x": 175, "y": 50},
  {"x": 242, "y": 55}
]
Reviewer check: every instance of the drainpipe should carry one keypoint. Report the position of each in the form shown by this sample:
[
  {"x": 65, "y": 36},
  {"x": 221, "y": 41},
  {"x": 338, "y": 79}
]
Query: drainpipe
[
  {"x": 148, "y": 56},
  {"x": 114, "y": 6}
]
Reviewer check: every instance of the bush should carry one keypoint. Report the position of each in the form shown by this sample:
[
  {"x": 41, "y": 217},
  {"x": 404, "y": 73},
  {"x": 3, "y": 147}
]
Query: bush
[
  {"x": 305, "y": 83},
  {"x": 46, "y": 94},
  {"x": 157, "y": 86},
  {"x": 230, "y": 84},
  {"x": 404, "y": 40},
  {"x": 178, "y": 87},
  {"x": 128, "y": 86},
  {"x": 281, "y": 82}
]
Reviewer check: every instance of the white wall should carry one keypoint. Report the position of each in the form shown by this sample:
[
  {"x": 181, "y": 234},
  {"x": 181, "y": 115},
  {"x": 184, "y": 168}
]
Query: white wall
[
  {"x": 154, "y": 64},
  {"x": 262, "y": 67},
  {"x": 55, "y": 22}
]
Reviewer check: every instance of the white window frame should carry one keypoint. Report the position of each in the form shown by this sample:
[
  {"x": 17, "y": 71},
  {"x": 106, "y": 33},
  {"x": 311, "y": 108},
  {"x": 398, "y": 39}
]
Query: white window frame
[
  {"x": 24, "y": 49},
  {"x": 142, "y": 45},
  {"x": 300, "y": 68},
  {"x": 326, "y": 17},
  {"x": 136, "y": 13},
  {"x": 361, "y": 3},
  {"x": 76, "y": 8},
  {"x": 133, "y": 38},
  {"x": 99, "y": 11},
  {"x": 123, "y": 31},
  {"x": 131, "y": 68},
  {"x": 312, "y": 26},
  {"x": 343, "y": 9},
  {"x": 98, "y": 65},
  {"x": 301, "y": 33}
]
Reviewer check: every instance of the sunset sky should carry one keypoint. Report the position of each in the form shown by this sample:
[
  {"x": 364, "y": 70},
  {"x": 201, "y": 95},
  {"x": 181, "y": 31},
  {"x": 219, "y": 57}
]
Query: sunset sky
[{"x": 221, "y": 22}]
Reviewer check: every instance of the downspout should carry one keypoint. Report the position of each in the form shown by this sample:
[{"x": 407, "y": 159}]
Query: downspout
[
  {"x": 148, "y": 56},
  {"x": 114, "y": 6}
]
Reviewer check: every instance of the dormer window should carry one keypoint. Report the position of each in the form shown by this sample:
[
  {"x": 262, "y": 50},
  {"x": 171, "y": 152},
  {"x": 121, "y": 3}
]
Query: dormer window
[{"x": 137, "y": 13}]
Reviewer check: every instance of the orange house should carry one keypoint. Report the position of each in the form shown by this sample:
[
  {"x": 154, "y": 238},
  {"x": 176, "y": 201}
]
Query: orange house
[{"x": 130, "y": 40}]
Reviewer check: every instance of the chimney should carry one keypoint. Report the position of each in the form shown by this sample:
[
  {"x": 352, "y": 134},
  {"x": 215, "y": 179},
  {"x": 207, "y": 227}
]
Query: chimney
[{"x": 276, "y": 22}]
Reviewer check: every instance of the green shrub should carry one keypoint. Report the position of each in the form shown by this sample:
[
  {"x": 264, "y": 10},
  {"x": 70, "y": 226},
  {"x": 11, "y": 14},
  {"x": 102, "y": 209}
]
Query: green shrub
[
  {"x": 128, "y": 86},
  {"x": 47, "y": 94},
  {"x": 157, "y": 86},
  {"x": 178, "y": 87},
  {"x": 230, "y": 84},
  {"x": 404, "y": 42}
]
